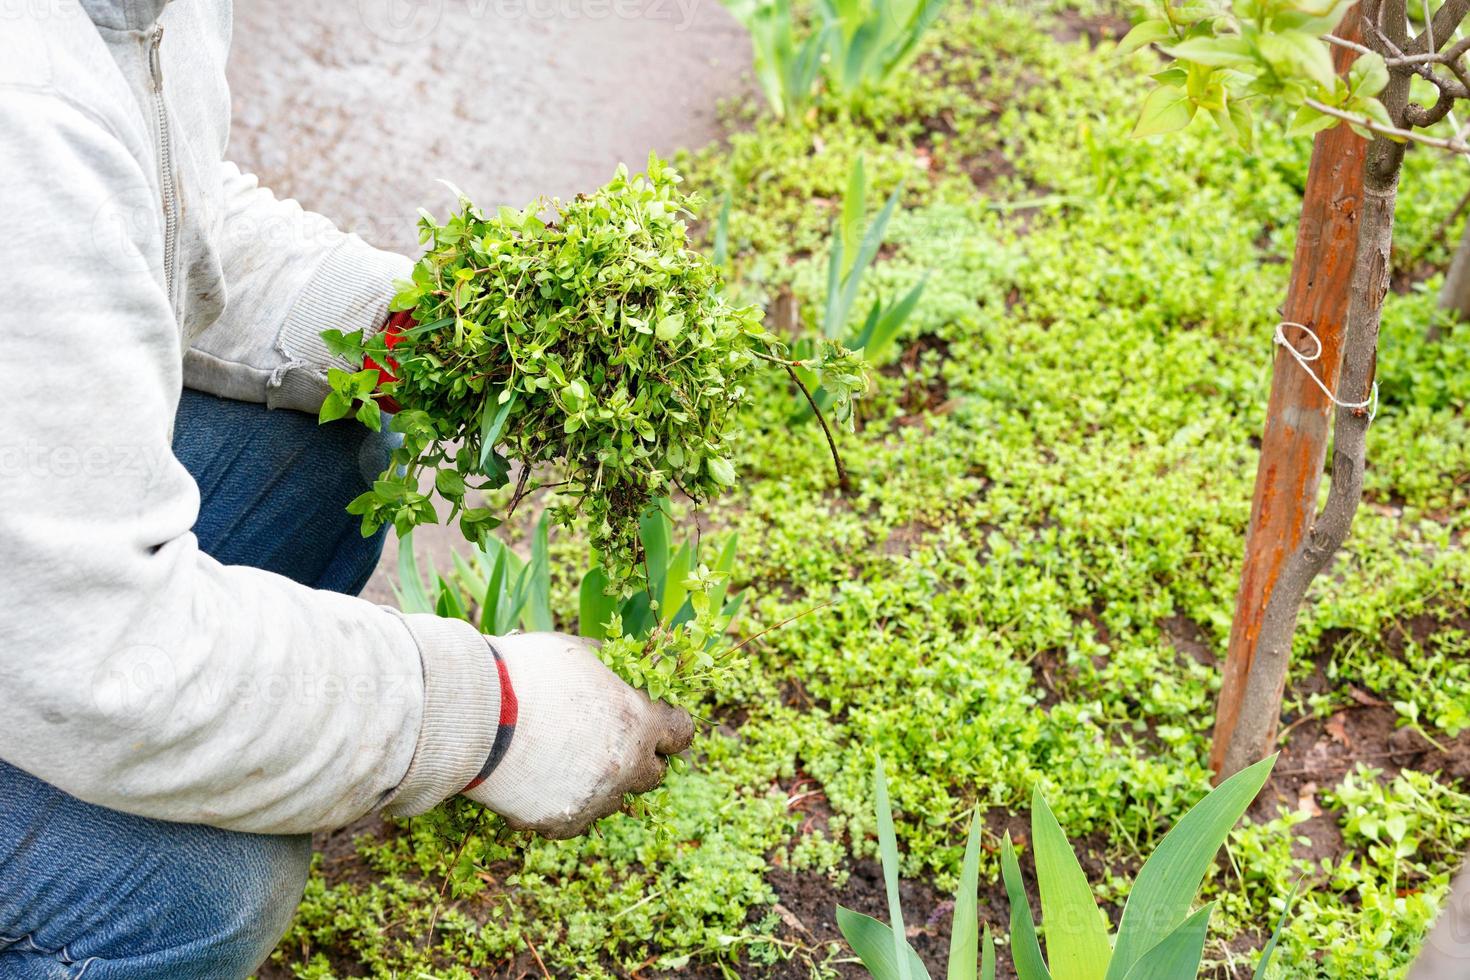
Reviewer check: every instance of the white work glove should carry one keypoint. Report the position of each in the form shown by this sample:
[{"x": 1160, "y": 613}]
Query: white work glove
[{"x": 578, "y": 737}]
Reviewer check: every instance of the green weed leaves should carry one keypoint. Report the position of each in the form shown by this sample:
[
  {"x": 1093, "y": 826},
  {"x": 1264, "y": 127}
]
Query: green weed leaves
[{"x": 593, "y": 339}]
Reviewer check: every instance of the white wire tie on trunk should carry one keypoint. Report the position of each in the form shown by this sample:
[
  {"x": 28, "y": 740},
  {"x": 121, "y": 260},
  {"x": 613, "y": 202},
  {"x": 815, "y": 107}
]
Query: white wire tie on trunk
[{"x": 1305, "y": 360}]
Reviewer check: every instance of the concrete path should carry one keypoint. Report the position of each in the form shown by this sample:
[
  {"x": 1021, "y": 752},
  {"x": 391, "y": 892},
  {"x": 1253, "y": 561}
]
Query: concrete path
[{"x": 357, "y": 108}]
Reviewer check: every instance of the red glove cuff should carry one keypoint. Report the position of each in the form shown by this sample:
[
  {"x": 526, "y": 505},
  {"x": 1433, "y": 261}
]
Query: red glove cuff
[{"x": 392, "y": 333}]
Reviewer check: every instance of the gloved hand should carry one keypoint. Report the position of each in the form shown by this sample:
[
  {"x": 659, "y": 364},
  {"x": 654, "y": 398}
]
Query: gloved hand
[
  {"x": 392, "y": 330},
  {"x": 573, "y": 737}
]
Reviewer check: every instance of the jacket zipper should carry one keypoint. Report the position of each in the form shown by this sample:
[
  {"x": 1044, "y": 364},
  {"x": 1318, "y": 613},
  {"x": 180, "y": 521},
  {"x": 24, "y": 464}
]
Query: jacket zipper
[{"x": 165, "y": 165}]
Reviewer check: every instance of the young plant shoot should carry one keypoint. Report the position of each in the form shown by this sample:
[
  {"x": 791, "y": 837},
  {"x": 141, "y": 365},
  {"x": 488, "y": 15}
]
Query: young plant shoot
[
  {"x": 669, "y": 637},
  {"x": 586, "y": 335}
]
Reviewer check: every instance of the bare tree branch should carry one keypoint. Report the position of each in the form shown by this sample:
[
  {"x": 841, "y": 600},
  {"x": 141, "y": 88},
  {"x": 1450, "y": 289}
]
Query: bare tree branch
[
  {"x": 1350, "y": 45},
  {"x": 1422, "y": 64},
  {"x": 1386, "y": 46},
  {"x": 1416, "y": 115},
  {"x": 1443, "y": 26},
  {"x": 1446, "y": 57},
  {"x": 1454, "y": 144}
]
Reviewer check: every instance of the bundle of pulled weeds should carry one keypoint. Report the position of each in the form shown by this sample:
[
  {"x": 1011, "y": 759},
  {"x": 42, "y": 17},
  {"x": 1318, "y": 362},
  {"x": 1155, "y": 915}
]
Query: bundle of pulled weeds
[{"x": 585, "y": 334}]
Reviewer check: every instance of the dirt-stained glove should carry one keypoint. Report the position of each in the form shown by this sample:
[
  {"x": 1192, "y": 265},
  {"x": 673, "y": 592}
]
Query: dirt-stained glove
[{"x": 573, "y": 737}]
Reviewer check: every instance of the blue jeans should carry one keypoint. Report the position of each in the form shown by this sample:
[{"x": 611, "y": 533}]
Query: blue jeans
[{"x": 90, "y": 892}]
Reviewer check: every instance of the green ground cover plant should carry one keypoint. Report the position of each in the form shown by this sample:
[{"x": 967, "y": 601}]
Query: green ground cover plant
[{"x": 1032, "y": 581}]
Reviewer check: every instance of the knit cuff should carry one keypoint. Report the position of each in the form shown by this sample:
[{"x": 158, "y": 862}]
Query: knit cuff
[
  {"x": 350, "y": 291},
  {"x": 460, "y": 718}
]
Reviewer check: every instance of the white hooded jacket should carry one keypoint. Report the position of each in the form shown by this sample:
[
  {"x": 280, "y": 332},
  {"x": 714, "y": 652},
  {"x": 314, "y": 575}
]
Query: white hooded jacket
[{"x": 135, "y": 671}]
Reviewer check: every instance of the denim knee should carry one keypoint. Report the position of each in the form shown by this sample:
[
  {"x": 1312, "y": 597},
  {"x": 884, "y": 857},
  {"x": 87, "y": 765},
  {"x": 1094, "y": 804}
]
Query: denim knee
[
  {"x": 250, "y": 919},
  {"x": 274, "y": 487},
  {"x": 87, "y": 892},
  {"x": 231, "y": 898}
]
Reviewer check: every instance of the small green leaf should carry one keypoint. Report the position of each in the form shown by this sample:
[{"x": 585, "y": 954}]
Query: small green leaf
[
  {"x": 1144, "y": 33},
  {"x": 1375, "y": 111},
  {"x": 721, "y": 471},
  {"x": 334, "y": 406},
  {"x": 1240, "y": 115},
  {"x": 1293, "y": 54},
  {"x": 349, "y": 345},
  {"x": 1368, "y": 76},
  {"x": 370, "y": 415},
  {"x": 449, "y": 483},
  {"x": 492, "y": 422},
  {"x": 1217, "y": 52},
  {"x": 365, "y": 382},
  {"x": 1166, "y": 110},
  {"x": 1308, "y": 122}
]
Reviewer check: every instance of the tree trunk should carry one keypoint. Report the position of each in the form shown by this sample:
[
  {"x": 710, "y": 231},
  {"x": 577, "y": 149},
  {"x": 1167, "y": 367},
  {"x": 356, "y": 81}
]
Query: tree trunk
[
  {"x": 1260, "y": 705},
  {"x": 1455, "y": 293},
  {"x": 1294, "y": 443}
]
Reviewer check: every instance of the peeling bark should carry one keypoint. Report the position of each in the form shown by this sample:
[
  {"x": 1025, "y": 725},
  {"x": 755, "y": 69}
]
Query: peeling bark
[
  {"x": 1260, "y": 706},
  {"x": 1299, "y": 416}
]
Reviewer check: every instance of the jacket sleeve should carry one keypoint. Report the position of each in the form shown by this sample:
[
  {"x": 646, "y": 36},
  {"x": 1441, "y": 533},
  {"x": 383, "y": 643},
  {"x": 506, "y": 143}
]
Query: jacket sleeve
[
  {"x": 135, "y": 671},
  {"x": 288, "y": 274}
]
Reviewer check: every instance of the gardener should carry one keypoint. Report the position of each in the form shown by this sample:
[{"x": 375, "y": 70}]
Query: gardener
[{"x": 189, "y": 685}]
